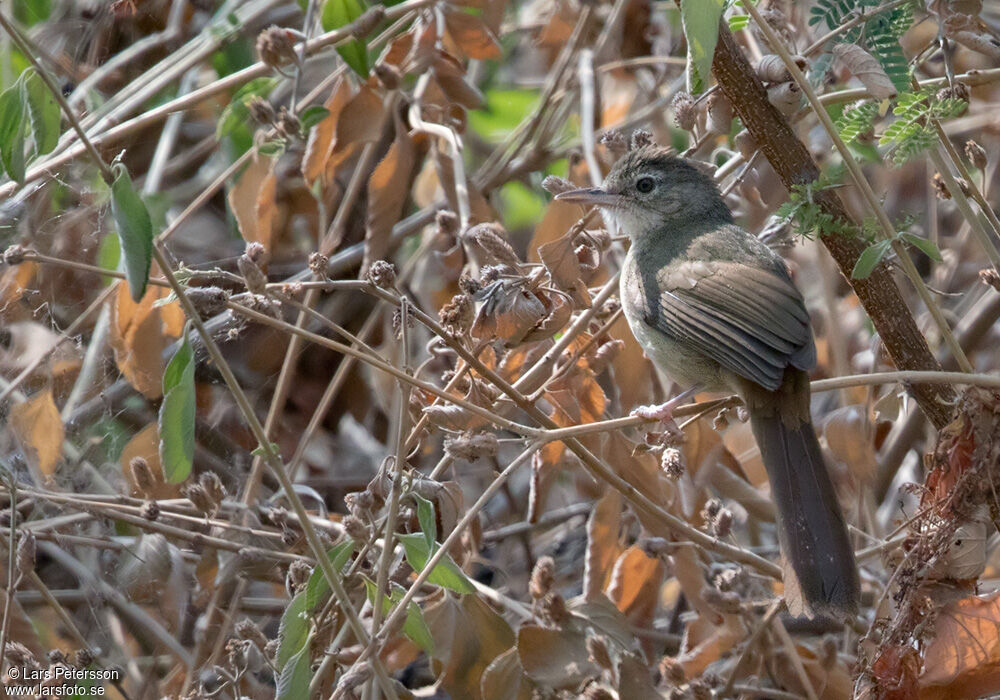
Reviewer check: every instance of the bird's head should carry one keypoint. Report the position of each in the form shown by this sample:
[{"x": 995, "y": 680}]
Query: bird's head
[{"x": 649, "y": 189}]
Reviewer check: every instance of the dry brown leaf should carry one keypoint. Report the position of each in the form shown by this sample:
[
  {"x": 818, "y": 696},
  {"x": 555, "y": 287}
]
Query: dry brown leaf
[
  {"x": 468, "y": 635},
  {"x": 321, "y": 137},
  {"x": 146, "y": 444},
  {"x": 867, "y": 69},
  {"x": 963, "y": 660},
  {"x": 243, "y": 200},
  {"x": 388, "y": 190},
  {"x": 13, "y": 282},
  {"x": 635, "y": 586},
  {"x": 504, "y": 679},
  {"x": 554, "y": 657},
  {"x": 472, "y": 35},
  {"x": 560, "y": 259},
  {"x": 603, "y": 546},
  {"x": 266, "y": 209},
  {"x": 705, "y": 643},
  {"x": 634, "y": 680},
  {"x": 360, "y": 121},
  {"x": 140, "y": 333},
  {"x": 39, "y": 430},
  {"x": 450, "y": 76},
  {"x": 850, "y": 436}
]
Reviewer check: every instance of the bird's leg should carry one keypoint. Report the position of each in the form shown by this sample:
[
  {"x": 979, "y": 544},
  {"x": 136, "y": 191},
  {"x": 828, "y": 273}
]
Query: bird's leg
[{"x": 664, "y": 413}]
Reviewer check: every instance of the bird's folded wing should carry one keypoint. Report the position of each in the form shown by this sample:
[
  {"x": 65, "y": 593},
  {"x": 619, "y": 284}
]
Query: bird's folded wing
[{"x": 751, "y": 321}]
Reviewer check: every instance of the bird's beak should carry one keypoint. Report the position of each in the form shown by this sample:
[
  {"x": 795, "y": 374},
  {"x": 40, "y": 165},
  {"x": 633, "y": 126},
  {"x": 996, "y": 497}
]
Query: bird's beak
[{"x": 591, "y": 195}]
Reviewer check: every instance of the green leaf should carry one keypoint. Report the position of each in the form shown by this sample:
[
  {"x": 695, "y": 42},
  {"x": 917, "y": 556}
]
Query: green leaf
[
  {"x": 12, "y": 131},
  {"x": 135, "y": 229},
  {"x": 415, "y": 627},
  {"x": 869, "y": 259},
  {"x": 313, "y": 116},
  {"x": 272, "y": 148},
  {"x": 338, "y": 13},
  {"x": 446, "y": 574},
  {"x": 236, "y": 112},
  {"x": 31, "y": 12},
  {"x": 109, "y": 254},
  {"x": 924, "y": 245},
  {"x": 701, "y": 30},
  {"x": 259, "y": 450},
  {"x": 293, "y": 631},
  {"x": 503, "y": 111},
  {"x": 44, "y": 113},
  {"x": 318, "y": 586},
  {"x": 176, "y": 418},
  {"x": 738, "y": 22},
  {"x": 293, "y": 681},
  {"x": 425, "y": 516}
]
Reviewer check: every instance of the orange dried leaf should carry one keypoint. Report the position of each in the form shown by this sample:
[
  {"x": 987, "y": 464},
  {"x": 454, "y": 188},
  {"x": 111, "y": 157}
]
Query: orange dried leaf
[
  {"x": 388, "y": 191},
  {"x": 472, "y": 35},
  {"x": 504, "y": 679},
  {"x": 603, "y": 546},
  {"x": 450, "y": 76},
  {"x": 556, "y": 658},
  {"x": 140, "y": 334},
  {"x": 146, "y": 444},
  {"x": 963, "y": 660},
  {"x": 243, "y": 198},
  {"x": 39, "y": 430},
  {"x": 15, "y": 281},
  {"x": 635, "y": 585},
  {"x": 321, "y": 138}
]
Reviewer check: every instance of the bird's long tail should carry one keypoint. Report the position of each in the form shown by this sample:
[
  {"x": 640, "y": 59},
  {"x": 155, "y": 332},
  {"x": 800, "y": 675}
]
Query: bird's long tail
[{"x": 811, "y": 525}]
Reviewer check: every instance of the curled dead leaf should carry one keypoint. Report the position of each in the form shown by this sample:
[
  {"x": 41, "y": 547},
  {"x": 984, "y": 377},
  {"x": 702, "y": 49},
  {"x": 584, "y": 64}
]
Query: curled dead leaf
[
  {"x": 471, "y": 35},
  {"x": 867, "y": 69},
  {"x": 39, "y": 430}
]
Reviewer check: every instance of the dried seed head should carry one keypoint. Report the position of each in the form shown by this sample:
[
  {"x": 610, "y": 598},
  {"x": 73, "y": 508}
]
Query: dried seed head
[
  {"x": 640, "y": 139},
  {"x": 298, "y": 575},
  {"x": 557, "y": 185},
  {"x": 353, "y": 680},
  {"x": 276, "y": 47},
  {"x": 261, "y": 111},
  {"x": 208, "y": 301},
  {"x": 318, "y": 264},
  {"x": 597, "y": 651},
  {"x": 355, "y": 528},
  {"x": 271, "y": 649},
  {"x": 26, "y": 553},
  {"x": 542, "y": 577},
  {"x": 457, "y": 315},
  {"x": 287, "y": 124},
  {"x": 723, "y": 523},
  {"x": 991, "y": 277},
  {"x": 212, "y": 484},
  {"x": 236, "y": 652},
  {"x": 721, "y": 420},
  {"x": 468, "y": 284},
  {"x": 616, "y": 143},
  {"x": 940, "y": 189},
  {"x": 671, "y": 671},
  {"x": 19, "y": 655},
  {"x": 253, "y": 276},
  {"x": 552, "y": 610},
  {"x": 471, "y": 447},
  {"x": 976, "y": 155},
  {"x": 685, "y": 111},
  {"x": 492, "y": 240},
  {"x": 142, "y": 476},
  {"x": 83, "y": 658},
  {"x": 248, "y": 629},
  {"x": 56, "y": 656},
  {"x": 382, "y": 274},
  {"x": 15, "y": 254},
  {"x": 150, "y": 510},
  {"x": 256, "y": 252},
  {"x": 958, "y": 91},
  {"x": 672, "y": 463},
  {"x": 359, "y": 501},
  {"x": 200, "y": 499},
  {"x": 728, "y": 603}
]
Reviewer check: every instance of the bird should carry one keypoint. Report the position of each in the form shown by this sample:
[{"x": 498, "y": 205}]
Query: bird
[{"x": 716, "y": 310}]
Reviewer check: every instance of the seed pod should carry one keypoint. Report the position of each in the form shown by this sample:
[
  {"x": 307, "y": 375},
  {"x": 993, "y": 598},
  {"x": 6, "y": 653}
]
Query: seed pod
[
  {"x": 685, "y": 111},
  {"x": 746, "y": 144},
  {"x": 787, "y": 97},
  {"x": 26, "y": 554},
  {"x": 15, "y": 254},
  {"x": 472, "y": 447},
  {"x": 672, "y": 463},
  {"x": 542, "y": 577},
  {"x": 492, "y": 239},
  {"x": 976, "y": 155},
  {"x": 248, "y": 629},
  {"x": 556, "y": 185},
  {"x": 382, "y": 274},
  {"x": 276, "y": 47},
  {"x": 208, "y": 301},
  {"x": 772, "y": 69},
  {"x": 142, "y": 476},
  {"x": 720, "y": 113},
  {"x": 212, "y": 484},
  {"x": 552, "y": 609},
  {"x": 261, "y": 111},
  {"x": 597, "y": 650}
]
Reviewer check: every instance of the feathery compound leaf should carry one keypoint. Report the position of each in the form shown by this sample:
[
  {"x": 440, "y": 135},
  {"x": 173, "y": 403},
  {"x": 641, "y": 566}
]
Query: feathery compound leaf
[
  {"x": 856, "y": 120},
  {"x": 882, "y": 34},
  {"x": 135, "y": 229}
]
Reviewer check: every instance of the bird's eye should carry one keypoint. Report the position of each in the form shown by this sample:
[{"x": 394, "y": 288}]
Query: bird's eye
[{"x": 645, "y": 185}]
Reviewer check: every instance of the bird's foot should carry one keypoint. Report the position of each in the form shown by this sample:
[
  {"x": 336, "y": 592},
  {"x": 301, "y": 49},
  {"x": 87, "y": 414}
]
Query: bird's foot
[{"x": 664, "y": 413}]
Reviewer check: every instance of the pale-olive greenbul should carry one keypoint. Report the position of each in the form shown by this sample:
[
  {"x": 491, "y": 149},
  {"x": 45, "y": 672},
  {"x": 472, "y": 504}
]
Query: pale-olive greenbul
[{"x": 715, "y": 308}]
